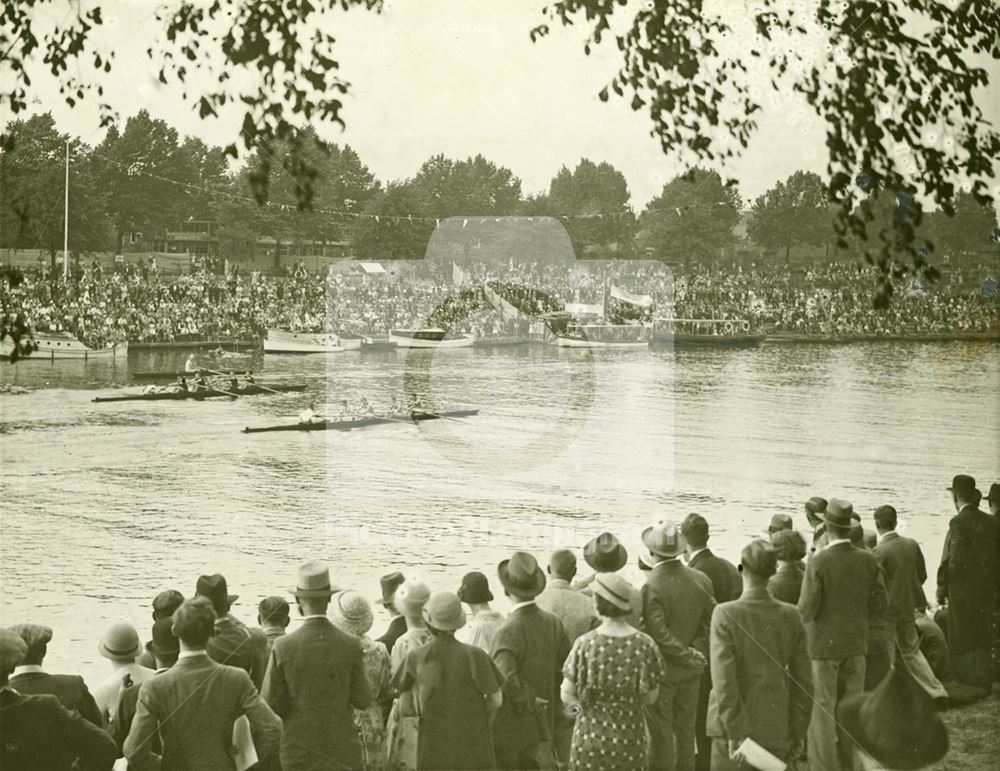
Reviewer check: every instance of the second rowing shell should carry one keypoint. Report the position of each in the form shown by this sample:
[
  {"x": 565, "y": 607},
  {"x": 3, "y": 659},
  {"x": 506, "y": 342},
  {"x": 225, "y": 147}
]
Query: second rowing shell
[
  {"x": 208, "y": 393},
  {"x": 350, "y": 425}
]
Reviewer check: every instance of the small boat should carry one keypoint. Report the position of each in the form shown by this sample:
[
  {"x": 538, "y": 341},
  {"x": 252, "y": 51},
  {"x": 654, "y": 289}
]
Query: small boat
[
  {"x": 350, "y": 425},
  {"x": 374, "y": 345},
  {"x": 287, "y": 341},
  {"x": 704, "y": 333},
  {"x": 428, "y": 338},
  {"x": 207, "y": 393},
  {"x": 57, "y": 345},
  {"x": 153, "y": 377},
  {"x": 604, "y": 336}
]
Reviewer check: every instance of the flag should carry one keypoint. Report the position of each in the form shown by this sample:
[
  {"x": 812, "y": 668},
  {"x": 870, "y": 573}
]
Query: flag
[
  {"x": 642, "y": 300},
  {"x": 457, "y": 274}
]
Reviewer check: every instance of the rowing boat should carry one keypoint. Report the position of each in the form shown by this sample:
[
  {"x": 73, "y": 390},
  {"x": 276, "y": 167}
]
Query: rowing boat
[
  {"x": 350, "y": 425},
  {"x": 208, "y": 393},
  {"x": 175, "y": 375}
]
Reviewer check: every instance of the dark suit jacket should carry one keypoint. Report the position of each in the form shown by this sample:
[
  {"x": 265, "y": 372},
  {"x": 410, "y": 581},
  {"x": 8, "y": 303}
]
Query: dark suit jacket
[
  {"x": 315, "y": 676},
  {"x": 726, "y": 582},
  {"x": 969, "y": 579},
  {"x": 237, "y": 645},
  {"x": 905, "y": 572},
  {"x": 397, "y": 627},
  {"x": 786, "y": 584},
  {"x": 37, "y": 733},
  {"x": 677, "y": 604},
  {"x": 842, "y": 591},
  {"x": 193, "y": 705},
  {"x": 69, "y": 689},
  {"x": 529, "y": 649},
  {"x": 761, "y": 673}
]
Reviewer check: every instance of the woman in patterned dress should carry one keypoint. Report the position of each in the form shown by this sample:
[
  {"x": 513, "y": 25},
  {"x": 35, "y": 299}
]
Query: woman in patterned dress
[
  {"x": 351, "y": 613},
  {"x": 611, "y": 673}
]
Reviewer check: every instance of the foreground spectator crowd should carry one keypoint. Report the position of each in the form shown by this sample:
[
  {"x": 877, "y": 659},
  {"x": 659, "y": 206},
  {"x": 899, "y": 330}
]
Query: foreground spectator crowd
[
  {"x": 829, "y": 660},
  {"x": 136, "y": 302}
]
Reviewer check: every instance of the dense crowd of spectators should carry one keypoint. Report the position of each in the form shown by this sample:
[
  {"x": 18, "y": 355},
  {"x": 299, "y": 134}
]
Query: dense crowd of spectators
[{"x": 101, "y": 305}]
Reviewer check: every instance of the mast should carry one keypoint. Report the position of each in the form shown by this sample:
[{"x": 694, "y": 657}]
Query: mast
[{"x": 66, "y": 220}]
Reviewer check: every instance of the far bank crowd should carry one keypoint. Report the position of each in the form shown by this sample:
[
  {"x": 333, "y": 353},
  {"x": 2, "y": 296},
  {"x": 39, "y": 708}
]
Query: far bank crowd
[
  {"x": 815, "y": 652},
  {"x": 135, "y": 302}
]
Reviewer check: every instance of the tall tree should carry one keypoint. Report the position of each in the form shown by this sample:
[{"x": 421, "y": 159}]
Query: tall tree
[
  {"x": 971, "y": 229},
  {"x": 795, "y": 212},
  {"x": 596, "y": 198},
  {"x": 395, "y": 225},
  {"x": 693, "y": 216}
]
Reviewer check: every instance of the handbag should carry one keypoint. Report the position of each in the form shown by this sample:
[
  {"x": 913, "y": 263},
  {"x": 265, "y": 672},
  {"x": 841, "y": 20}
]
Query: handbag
[{"x": 404, "y": 735}]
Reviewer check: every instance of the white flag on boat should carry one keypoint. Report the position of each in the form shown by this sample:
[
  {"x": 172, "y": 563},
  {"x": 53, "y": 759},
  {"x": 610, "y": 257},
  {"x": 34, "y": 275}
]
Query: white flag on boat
[{"x": 643, "y": 300}]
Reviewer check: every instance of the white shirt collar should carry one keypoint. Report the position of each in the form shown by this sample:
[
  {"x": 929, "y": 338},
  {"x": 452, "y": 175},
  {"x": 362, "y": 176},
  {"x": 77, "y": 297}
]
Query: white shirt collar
[
  {"x": 314, "y": 615},
  {"x": 695, "y": 553},
  {"x": 838, "y": 540},
  {"x": 26, "y": 668},
  {"x": 524, "y": 604},
  {"x": 192, "y": 654}
]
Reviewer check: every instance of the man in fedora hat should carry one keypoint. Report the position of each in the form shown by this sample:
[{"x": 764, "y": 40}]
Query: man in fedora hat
[
  {"x": 760, "y": 668},
  {"x": 606, "y": 554},
  {"x": 968, "y": 581},
  {"x": 842, "y": 592},
  {"x": 121, "y": 646},
  {"x": 397, "y": 626},
  {"x": 314, "y": 680},
  {"x": 677, "y": 604},
  {"x": 31, "y": 678},
  {"x": 529, "y": 650},
  {"x": 726, "y": 586},
  {"x": 573, "y": 608},
  {"x": 815, "y": 507},
  {"x": 233, "y": 643},
  {"x": 194, "y": 705},
  {"x": 37, "y": 733},
  {"x": 904, "y": 571}
]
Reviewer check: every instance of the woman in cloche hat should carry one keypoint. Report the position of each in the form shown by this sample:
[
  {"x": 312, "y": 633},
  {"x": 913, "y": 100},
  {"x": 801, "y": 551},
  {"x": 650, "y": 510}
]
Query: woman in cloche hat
[
  {"x": 456, "y": 688},
  {"x": 611, "y": 673},
  {"x": 350, "y": 612},
  {"x": 475, "y": 592}
]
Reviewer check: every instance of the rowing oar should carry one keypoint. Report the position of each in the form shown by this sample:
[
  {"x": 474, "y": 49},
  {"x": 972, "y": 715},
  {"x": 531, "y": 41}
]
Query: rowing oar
[
  {"x": 255, "y": 383},
  {"x": 437, "y": 415}
]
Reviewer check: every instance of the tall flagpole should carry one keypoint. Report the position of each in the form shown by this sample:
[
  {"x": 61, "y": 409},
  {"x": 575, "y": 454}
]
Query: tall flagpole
[{"x": 66, "y": 220}]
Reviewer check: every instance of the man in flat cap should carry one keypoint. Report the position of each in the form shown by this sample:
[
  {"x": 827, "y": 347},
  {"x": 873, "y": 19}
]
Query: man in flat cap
[
  {"x": 968, "y": 581},
  {"x": 761, "y": 675},
  {"x": 37, "y": 733},
  {"x": 31, "y": 678}
]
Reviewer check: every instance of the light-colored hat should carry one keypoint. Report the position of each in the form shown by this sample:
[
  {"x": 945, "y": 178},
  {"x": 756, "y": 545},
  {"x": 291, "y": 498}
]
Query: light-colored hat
[
  {"x": 351, "y": 612},
  {"x": 314, "y": 581},
  {"x": 411, "y": 596},
  {"x": 444, "y": 611},
  {"x": 615, "y": 589},
  {"x": 120, "y": 642},
  {"x": 12, "y": 650},
  {"x": 663, "y": 539}
]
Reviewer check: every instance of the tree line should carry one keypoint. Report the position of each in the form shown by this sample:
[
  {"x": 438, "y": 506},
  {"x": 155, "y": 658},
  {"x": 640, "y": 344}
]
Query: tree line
[{"x": 145, "y": 178}]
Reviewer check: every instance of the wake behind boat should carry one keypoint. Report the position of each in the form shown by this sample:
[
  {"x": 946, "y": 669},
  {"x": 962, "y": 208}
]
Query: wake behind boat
[
  {"x": 350, "y": 425},
  {"x": 203, "y": 393}
]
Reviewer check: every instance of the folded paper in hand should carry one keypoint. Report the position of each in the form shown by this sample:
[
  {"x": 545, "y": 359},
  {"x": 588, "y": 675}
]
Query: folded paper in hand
[{"x": 758, "y": 757}]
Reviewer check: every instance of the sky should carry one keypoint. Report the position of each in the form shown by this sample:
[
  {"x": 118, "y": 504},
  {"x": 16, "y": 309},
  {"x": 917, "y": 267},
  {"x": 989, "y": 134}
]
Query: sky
[{"x": 461, "y": 77}]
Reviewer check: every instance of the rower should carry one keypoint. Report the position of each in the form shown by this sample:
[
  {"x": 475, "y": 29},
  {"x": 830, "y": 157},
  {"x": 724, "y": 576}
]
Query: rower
[
  {"x": 249, "y": 378},
  {"x": 189, "y": 365},
  {"x": 416, "y": 405},
  {"x": 184, "y": 384},
  {"x": 200, "y": 384},
  {"x": 365, "y": 410},
  {"x": 395, "y": 407},
  {"x": 234, "y": 383},
  {"x": 307, "y": 415},
  {"x": 345, "y": 410}
]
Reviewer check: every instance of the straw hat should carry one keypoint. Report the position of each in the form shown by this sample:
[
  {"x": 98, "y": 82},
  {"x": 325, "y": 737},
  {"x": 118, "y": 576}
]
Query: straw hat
[
  {"x": 314, "y": 581},
  {"x": 120, "y": 642},
  {"x": 663, "y": 539},
  {"x": 411, "y": 596},
  {"x": 444, "y": 611},
  {"x": 615, "y": 589},
  {"x": 351, "y": 612}
]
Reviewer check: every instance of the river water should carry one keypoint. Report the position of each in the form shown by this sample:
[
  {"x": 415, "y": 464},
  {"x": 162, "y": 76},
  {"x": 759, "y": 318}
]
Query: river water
[{"x": 104, "y": 505}]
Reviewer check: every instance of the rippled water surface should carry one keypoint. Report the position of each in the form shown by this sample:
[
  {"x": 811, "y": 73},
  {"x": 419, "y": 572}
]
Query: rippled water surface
[{"x": 103, "y": 505}]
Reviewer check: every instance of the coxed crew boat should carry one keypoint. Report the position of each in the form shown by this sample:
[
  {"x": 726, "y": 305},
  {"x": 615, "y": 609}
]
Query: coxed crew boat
[
  {"x": 205, "y": 393},
  {"x": 350, "y": 425}
]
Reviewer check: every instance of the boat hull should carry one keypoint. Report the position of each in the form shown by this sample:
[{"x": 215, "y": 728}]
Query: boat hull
[
  {"x": 59, "y": 347},
  {"x": 350, "y": 425},
  {"x": 576, "y": 342},
  {"x": 208, "y": 393},
  {"x": 284, "y": 341},
  {"x": 412, "y": 341},
  {"x": 707, "y": 341}
]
